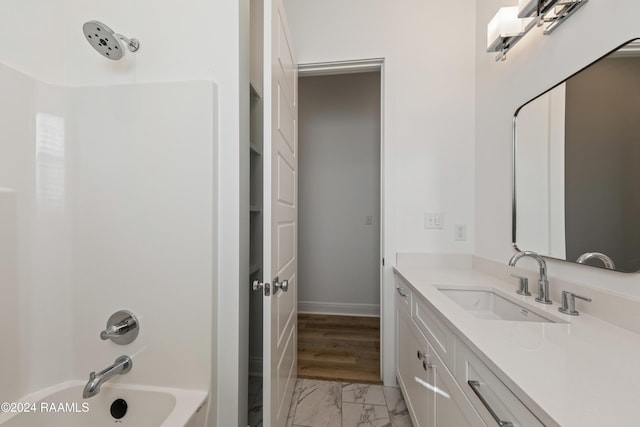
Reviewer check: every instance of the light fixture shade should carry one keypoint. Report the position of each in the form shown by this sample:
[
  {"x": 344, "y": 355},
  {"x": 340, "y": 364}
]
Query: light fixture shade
[{"x": 503, "y": 25}]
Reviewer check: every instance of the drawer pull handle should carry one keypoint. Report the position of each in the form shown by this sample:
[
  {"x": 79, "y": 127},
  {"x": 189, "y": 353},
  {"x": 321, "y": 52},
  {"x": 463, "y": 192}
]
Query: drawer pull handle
[
  {"x": 423, "y": 357},
  {"x": 401, "y": 292},
  {"x": 475, "y": 386}
]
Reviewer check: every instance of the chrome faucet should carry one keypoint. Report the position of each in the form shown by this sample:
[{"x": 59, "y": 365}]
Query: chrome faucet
[
  {"x": 608, "y": 262},
  {"x": 569, "y": 303},
  {"x": 121, "y": 366},
  {"x": 122, "y": 328},
  {"x": 543, "y": 289}
]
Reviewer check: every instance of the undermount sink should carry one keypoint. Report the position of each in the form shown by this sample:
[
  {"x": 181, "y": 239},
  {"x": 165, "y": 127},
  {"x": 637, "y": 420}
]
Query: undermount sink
[{"x": 489, "y": 304}]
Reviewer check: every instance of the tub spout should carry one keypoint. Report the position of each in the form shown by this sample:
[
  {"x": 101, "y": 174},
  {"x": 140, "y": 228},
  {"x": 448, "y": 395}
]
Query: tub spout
[{"x": 121, "y": 366}]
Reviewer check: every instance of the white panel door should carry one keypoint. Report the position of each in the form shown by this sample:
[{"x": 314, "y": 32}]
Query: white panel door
[{"x": 280, "y": 216}]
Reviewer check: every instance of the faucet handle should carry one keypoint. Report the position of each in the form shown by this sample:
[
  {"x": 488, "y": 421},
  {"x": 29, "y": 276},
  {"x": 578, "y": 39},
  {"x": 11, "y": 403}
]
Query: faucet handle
[
  {"x": 122, "y": 328},
  {"x": 524, "y": 285},
  {"x": 569, "y": 303}
]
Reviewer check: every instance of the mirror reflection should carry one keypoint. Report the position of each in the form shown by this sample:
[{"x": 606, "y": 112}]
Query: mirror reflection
[{"x": 577, "y": 166}]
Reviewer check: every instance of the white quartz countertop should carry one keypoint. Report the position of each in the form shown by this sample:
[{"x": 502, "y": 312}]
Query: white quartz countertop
[{"x": 582, "y": 373}]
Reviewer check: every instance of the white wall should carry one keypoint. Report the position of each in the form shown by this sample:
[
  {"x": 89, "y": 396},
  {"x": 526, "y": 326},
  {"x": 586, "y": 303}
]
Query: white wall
[
  {"x": 534, "y": 65},
  {"x": 429, "y": 108},
  {"x": 33, "y": 33},
  {"x": 428, "y": 125},
  {"x": 338, "y": 187},
  {"x": 176, "y": 43}
]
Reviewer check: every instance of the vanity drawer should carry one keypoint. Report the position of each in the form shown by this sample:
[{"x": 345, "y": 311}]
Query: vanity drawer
[
  {"x": 439, "y": 335},
  {"x": 404, "y": 295},
  {"x": 493, "y": 400}
]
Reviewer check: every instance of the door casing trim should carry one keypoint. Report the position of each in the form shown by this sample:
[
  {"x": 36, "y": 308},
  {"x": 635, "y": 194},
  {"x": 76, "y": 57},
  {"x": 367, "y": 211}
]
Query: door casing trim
[{"x": 387, "y": 253}]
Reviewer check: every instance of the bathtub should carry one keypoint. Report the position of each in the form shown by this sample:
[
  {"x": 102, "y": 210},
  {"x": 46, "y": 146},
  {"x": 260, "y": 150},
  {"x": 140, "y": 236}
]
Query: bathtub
[{"x": 63, "y": 406}]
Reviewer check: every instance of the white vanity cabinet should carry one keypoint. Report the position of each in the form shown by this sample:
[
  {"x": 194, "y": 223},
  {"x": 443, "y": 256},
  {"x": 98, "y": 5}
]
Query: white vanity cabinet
[
  {"x": 432, "y": 395},
  {"x": 445, "y": 384}
]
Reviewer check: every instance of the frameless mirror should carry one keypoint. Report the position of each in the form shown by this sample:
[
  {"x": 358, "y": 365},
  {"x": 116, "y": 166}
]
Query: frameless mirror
[{"x": 576, "y": 147}]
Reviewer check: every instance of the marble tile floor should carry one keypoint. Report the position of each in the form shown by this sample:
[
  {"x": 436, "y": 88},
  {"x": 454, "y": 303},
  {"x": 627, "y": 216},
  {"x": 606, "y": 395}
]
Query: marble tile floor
[
  {"x": 255, "y": 401},
  {"x": 319, "y": 403}
]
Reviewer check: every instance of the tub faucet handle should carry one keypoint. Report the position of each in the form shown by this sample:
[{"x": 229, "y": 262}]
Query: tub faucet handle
[
  {"x": 122, "y": 328},
  {"x": 117, "y": 329},
  {"x": 524, "y": 285}
]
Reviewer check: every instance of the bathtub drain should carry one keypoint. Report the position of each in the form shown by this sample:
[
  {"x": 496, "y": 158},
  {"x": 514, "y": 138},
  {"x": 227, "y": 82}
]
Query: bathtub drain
[{"x": 119, "y": 408}]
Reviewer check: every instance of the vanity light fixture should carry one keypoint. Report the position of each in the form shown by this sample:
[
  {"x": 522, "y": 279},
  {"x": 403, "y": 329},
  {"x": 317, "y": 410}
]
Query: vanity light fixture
[
  {"x": 510, "y": 24},
  {"x": 553, "y": 12},
  {"x": 505, "y": 30}
]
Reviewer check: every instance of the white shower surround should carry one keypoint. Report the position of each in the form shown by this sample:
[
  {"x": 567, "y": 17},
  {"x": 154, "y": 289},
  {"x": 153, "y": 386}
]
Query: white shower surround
[{"x": 129, "y": 224}]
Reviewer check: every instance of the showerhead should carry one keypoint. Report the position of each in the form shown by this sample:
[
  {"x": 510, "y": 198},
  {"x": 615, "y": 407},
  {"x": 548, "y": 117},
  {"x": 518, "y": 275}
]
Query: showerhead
[{"x": 106, "y": 42}]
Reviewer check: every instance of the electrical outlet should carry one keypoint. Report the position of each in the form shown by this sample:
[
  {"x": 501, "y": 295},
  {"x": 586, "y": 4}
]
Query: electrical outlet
[
  {"x": 369, "y": 220},
  {"x": 460, "y": 232},
  {"x": 433, "y": 220}
]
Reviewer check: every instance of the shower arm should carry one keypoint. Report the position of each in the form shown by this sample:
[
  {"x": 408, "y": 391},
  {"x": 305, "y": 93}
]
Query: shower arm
[{"x": 132, "y": 44}]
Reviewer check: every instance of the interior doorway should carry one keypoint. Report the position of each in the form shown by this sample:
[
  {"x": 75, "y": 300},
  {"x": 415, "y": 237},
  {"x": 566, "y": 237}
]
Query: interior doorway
[{"x": 340, "y": 222}]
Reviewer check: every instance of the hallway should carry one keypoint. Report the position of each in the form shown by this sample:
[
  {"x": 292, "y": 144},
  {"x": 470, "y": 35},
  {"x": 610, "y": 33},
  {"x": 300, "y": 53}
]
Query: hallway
[{"x": 339, "y": 348}]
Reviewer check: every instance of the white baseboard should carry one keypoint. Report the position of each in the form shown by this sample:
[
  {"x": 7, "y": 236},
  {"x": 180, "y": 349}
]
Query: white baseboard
[{"x": 344, "y": 309}]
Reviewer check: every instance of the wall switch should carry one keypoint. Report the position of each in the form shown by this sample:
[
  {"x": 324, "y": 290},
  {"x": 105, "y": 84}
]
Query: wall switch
[
  {"x": 433, "y": 220},
  {"x": 369, "y": 220},
  {"x": 460, "y": 232}
]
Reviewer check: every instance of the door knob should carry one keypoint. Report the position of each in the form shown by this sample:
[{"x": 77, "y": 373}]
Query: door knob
[
  {"x": 284, "y": 285},
  {"x": 258, "y": 286}
]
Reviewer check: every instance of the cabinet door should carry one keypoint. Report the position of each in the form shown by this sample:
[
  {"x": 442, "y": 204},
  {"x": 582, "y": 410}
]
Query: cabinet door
[
  {"x": 451, "y": 405},
  {"x": 419, "y": 399}
]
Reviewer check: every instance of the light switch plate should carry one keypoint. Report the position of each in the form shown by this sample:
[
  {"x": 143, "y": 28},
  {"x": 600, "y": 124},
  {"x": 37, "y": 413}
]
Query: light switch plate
[{"x": 433, "y": 220}]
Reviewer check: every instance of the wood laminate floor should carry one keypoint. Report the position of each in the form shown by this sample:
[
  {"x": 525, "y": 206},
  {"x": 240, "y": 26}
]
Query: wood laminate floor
[{"x": 339, "y": 348}]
